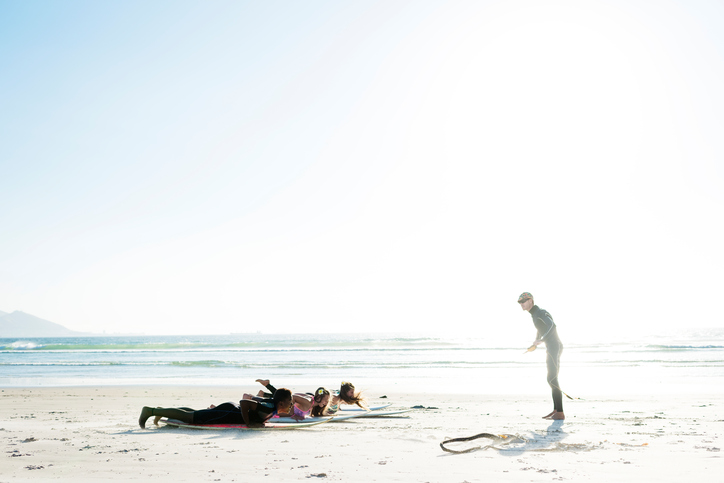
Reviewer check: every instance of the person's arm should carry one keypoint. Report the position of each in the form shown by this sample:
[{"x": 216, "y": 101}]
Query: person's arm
[
  {"x": 245, "y": 405},
  {"x": 303, "y": 402},
  {"x": 537, "y": 340},
  {"x": 548, "y": 325}
]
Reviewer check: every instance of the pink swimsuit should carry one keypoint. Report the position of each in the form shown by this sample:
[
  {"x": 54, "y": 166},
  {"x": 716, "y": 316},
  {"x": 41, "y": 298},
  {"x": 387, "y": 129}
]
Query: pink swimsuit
[{"x": 303, "y": 414}]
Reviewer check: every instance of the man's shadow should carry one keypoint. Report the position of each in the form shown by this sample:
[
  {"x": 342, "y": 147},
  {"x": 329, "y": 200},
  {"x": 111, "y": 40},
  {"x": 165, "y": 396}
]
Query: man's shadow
[
  {"x": 536, "y": 441},
  {"x": 514, "y": 445}
]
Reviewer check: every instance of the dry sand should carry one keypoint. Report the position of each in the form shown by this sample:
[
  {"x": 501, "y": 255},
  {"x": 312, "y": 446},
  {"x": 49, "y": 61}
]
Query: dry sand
[{"x": 91, "y": 434}]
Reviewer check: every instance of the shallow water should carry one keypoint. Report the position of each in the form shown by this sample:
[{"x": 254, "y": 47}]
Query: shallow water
[{"x": 690, "y": 361}]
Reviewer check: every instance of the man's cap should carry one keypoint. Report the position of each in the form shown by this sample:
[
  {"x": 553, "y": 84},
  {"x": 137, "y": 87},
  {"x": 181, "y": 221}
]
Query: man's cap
[{"x": 524, "y": 296}]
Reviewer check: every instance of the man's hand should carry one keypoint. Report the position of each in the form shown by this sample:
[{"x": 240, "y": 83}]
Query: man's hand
[{"x": 534, "y": 346}]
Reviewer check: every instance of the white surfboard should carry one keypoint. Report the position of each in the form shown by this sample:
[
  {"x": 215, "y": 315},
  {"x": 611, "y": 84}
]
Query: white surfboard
[
  {"x": 343, "y": 417},
  {"x": 382, "y": 414},
  {"x": 337, "y": 417},
  {"x": 372, "y": 408},
  {"x": 244, "y": 427}
]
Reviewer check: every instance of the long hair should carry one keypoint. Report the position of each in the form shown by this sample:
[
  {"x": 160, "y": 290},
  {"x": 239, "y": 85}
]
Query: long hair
[
  {"x": 356, "y": 397},
  {"x": 319, "y": 394}
]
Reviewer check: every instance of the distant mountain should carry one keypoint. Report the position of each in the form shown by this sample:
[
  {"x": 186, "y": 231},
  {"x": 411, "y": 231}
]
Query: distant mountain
[{"x": 20, "y": 324}]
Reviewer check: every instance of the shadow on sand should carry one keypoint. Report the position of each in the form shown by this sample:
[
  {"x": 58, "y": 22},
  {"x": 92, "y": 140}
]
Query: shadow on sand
[{"x": 515, "y": 444}]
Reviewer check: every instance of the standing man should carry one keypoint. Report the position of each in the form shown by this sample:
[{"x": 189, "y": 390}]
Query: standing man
[{"x": 547, "y": 333}]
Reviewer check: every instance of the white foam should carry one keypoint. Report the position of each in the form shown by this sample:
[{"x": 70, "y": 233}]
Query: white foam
[{"x": 24, "y": 345}]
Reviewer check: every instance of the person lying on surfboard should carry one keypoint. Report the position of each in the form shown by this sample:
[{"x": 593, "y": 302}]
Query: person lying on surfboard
[
  {"x": 346, "y": 395},
  {"x": 304, "y": 404},
  {"x": 251, "y": 413}
]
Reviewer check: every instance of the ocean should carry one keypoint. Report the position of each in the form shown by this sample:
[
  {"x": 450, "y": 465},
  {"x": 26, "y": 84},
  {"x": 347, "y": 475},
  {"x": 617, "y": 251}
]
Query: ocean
[{"x": 690, "y": 361}]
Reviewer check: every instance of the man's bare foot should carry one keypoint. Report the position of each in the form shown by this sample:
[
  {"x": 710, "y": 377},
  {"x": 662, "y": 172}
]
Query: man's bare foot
[
  {"x": 246, "y": 396},
  {"x": 156, "y": 419},
  {"x": 557, "y": 416},
  {"x": 260, "y": 394},
  {"x": 263, "y": 382},
  {"x": 548, "y": 416},
  {"x": 146, "y": 413}
]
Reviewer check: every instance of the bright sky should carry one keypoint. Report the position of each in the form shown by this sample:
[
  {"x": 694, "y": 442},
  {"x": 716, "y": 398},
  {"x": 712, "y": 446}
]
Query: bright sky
[{"x": 214, "y": 167}]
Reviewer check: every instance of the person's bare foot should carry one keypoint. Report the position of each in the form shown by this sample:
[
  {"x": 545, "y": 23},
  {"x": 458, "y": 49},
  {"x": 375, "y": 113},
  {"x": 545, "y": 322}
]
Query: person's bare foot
[
  {"x": 557, "y": 416},
  {"x": 156, "y": 419},
  {"x": 146, "y": 413},
  {"x": 211, "y": 406},
  {"x": 263, "y": 382},
  {"x": 246, "y": 396},
  {"x": 548, "y": 416}
]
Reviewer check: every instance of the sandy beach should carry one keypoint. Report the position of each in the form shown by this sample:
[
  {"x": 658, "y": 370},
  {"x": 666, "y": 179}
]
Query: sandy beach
[{"x": 92, "y": 434}]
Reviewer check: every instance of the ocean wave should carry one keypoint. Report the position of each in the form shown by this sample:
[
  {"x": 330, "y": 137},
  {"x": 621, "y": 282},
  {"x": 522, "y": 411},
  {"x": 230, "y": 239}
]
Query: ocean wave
[
  {"x": 68, "y": 364},
  {"x": 275, "y": 365},
  {"x": 684, "y": 347},
  {"x": 23, "y": 345},
  {"x": 357, "y": 365},
  {"x": 246, "y": 349},
  {"x": 275, "y": 345}
]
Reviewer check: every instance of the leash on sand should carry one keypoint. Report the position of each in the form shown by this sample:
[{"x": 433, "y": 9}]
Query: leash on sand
[{"x": 497, "y": 438}]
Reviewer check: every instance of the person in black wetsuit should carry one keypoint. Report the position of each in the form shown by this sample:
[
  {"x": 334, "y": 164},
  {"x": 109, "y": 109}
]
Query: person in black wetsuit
[
  {"x": 251, "y": 413},
  {"x": 547, "y": 333}
]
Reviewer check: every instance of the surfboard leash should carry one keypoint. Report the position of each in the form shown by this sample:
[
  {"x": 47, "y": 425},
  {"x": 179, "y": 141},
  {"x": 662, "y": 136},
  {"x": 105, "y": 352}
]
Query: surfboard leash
[
  {"x": 497, "y": 438},
  {"x": 570, "y": 397}
]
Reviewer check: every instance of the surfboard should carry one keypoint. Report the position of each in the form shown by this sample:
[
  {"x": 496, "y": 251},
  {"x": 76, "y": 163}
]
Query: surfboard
[
  {"x": 372, "y": 408},
  {"x": 244, "y": 427},
  {"x": 337, "y": 417},
  {"x": 378, "y": 414},
  {"x": 343, "y": 417}
]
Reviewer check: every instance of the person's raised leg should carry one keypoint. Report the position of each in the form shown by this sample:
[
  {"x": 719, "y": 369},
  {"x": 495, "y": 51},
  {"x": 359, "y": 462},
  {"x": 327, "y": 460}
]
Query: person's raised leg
[{"x": 173, "y": 413}]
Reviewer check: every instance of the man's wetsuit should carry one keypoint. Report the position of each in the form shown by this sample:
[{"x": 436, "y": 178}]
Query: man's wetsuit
[
  {"x": 230, "y": 413},
  {"x": 547, "y": 333}
]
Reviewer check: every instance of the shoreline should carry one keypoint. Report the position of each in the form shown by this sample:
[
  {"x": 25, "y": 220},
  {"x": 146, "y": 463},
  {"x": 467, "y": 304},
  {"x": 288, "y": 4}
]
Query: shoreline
[
  {"x": 528, "y": 383},
  {"x": 91, "y": 433}
]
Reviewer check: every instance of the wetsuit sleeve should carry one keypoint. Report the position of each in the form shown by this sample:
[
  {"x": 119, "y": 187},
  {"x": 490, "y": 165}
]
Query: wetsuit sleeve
[
  {"x": 545, "y": 325},
  {"x": 271, "y": 388},
  {"x": 246, "y": 408}
]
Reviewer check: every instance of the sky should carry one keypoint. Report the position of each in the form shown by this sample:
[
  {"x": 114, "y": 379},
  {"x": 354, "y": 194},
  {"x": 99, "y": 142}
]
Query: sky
[{"x": 206, "y": 167}]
